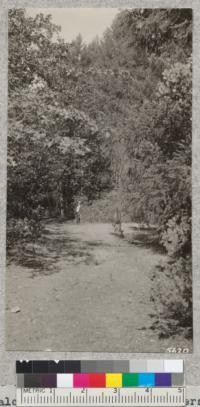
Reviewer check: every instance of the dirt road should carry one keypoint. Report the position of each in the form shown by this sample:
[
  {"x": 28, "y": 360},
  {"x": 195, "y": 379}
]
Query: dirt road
[{"x": 84, "y": 290}]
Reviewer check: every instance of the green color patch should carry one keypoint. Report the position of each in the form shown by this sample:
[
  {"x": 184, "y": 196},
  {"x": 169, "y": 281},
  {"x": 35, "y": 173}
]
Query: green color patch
[{"x": 130, "y": 379}]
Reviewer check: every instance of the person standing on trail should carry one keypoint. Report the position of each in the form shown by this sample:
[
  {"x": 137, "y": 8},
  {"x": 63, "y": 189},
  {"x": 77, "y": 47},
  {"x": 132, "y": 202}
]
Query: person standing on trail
[
  {"x": 117, "y": 223},
  {"x": 77, "y": 212}
]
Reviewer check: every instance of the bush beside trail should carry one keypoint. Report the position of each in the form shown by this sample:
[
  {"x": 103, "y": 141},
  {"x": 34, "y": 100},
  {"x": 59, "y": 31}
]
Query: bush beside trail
[{"x": 172, "y": 298}]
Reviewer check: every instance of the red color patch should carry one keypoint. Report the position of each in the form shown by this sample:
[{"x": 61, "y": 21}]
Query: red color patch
[{"x": 97, "y": 380}]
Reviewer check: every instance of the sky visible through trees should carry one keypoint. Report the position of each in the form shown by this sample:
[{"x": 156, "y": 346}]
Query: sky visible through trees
[{"x": 89, "y": 22}]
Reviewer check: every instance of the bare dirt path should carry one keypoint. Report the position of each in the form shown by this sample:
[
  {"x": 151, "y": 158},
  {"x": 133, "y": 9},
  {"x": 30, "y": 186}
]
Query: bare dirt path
[{"x": 88, "y": 291}]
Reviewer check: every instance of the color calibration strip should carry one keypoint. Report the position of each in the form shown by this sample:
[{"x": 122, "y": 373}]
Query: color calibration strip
[
  {"x": 133, "y": 383},
  {"x": 99, "y": 380},
  {"x": 99, "y": 374},
  {"x": 100, "y": 366}
]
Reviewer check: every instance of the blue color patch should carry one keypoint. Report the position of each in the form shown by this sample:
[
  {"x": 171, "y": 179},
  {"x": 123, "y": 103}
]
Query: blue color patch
[{"x": 146, "y": 380}]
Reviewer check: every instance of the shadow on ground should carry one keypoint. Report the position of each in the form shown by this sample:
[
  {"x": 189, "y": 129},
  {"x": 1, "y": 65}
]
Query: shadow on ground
[
  {"x": 55, "y": 244},
  {"x": 148, "y": 238}
]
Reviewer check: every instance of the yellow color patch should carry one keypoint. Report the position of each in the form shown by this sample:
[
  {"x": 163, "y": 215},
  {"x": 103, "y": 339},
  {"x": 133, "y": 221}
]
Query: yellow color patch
[{"x": 113, "y": 380}]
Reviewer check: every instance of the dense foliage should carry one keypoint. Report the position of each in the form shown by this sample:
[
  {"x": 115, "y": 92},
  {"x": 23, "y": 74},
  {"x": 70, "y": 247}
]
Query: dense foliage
[
  {"x": 54, "y": 149},
  {"x": 114, "y": 115},
  {"x": 171, "y": 294}
]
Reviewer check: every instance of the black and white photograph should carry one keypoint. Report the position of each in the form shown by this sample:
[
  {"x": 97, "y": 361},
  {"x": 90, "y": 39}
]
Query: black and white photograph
[{"x": 99, "y": 157}]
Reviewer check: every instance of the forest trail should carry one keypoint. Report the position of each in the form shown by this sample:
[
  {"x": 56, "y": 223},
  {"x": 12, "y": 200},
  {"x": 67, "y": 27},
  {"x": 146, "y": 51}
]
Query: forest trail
[{"x": 88, "y": 290}]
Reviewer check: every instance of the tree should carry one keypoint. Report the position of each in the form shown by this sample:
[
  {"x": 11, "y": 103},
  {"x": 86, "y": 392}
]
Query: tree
[
  {"x": 30, "y": 46},
  {"x": 54, "y": 152}
]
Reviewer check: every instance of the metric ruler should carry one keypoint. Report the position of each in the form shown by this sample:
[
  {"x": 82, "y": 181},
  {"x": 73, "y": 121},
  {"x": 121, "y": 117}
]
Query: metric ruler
[{"x": 102, "y": 397}]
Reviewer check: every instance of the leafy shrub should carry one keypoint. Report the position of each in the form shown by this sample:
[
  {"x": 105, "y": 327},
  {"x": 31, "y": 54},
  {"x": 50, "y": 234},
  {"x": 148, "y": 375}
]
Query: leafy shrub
[
  {"x": 172, "y": 298},
  {"x": 176, "y": 236},
  {"x": 20, "y": 231}
]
